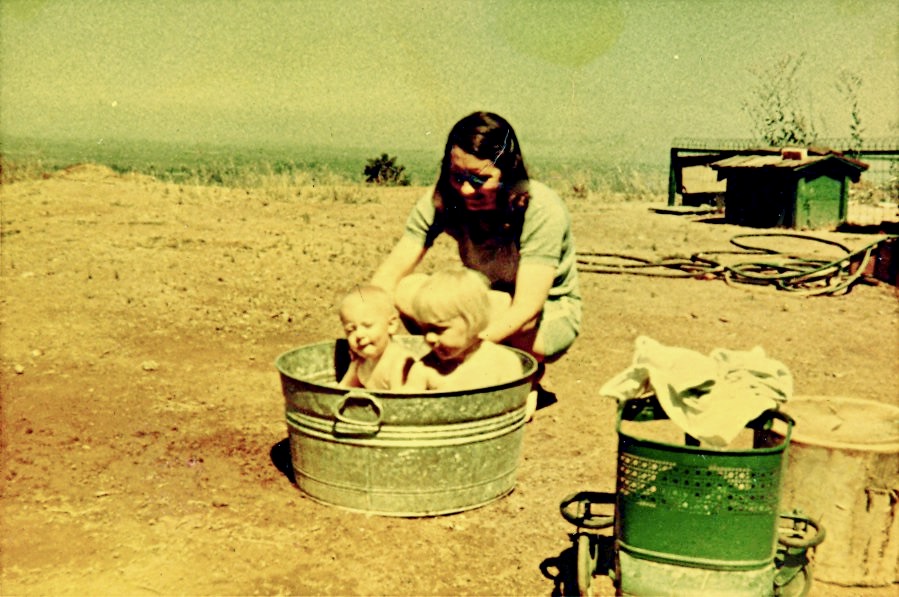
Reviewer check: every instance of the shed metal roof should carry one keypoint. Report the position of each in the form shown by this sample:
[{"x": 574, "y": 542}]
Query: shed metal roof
[{"x": 767, "y": 160}]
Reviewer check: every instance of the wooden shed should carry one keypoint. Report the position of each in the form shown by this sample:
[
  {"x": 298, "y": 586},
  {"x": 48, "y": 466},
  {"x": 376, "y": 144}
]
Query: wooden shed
[{"x": 788, "y": 188}]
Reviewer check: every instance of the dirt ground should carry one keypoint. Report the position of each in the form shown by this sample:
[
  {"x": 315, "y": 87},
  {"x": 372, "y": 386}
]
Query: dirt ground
[{"x": 141, "y": 409}]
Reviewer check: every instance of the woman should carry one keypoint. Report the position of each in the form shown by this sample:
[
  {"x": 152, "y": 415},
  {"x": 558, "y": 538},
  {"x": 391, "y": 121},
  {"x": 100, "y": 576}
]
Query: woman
[{"x": 514, "y": 230}]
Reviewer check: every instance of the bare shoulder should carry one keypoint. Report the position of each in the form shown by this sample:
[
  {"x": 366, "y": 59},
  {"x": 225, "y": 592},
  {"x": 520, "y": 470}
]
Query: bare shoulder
[
  {"x": 503, "y": 357},
  {"x": 397, "y": 354}
]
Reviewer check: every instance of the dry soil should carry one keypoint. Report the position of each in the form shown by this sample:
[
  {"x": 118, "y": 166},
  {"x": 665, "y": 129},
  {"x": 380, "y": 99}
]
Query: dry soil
[{"x": 142, "y": 413}]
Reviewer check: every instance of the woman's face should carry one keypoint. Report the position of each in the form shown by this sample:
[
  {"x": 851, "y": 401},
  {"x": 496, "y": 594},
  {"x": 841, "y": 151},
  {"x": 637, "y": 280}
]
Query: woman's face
[{"x": 475, "y": 180}]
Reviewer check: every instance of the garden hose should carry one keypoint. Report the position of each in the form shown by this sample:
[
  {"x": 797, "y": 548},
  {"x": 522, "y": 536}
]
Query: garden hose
[{"x": 795, "y": 274}]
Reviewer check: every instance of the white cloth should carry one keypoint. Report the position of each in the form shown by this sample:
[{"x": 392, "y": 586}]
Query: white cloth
[{"x": 710, "y": 397}]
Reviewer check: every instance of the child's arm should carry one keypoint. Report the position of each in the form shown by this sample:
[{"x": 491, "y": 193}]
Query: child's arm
[
  {"x": 418, "y": 378},
  {"x": 351, "y": 377}
]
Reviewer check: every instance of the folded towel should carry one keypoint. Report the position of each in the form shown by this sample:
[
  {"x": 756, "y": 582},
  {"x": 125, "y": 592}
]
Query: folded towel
[{"x": 710, "y": 397}]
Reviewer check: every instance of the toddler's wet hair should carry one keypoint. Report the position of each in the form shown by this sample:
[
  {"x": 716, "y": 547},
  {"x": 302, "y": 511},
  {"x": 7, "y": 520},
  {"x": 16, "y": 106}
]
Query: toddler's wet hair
[
  {"x": 454, "y": 293},
  {"x": 369, "y": 294}
]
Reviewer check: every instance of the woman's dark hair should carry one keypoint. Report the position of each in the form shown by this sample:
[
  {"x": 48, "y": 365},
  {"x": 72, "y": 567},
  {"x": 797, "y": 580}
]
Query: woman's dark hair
[{"x": 486, "y": 136}]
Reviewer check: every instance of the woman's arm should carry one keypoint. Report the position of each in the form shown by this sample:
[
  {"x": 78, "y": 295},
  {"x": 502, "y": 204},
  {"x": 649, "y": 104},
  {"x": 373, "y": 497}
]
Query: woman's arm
[
  {"x": 401, "y": 261},
  {"x": 532, "y": 285}
]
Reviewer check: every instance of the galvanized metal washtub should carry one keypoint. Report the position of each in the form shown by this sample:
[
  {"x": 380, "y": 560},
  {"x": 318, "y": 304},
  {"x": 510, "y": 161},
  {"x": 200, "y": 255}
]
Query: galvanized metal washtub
[
  {"x": 400, "y": 454},
  {"x": 843, "y": 469}
]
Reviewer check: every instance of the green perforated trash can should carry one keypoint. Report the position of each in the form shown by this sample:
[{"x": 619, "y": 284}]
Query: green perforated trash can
[{"x": 693, "y": 519}]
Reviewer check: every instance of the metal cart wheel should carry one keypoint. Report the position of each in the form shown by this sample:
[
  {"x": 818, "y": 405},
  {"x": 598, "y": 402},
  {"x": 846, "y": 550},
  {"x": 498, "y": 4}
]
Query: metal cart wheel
[
  {"x": 587, "y": 558},
  {"x": 796, "y": 535},
  {"x": 798, "y": 586},
  {"x": 577, "y": 509}
]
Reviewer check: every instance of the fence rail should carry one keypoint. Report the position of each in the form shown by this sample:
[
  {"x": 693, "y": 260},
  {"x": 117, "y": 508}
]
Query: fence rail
[{"x": 841, "y": 144}]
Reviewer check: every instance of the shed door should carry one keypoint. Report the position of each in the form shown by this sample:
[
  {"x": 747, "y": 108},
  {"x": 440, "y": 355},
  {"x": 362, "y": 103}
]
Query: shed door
[{"x": 819, "y": 203}]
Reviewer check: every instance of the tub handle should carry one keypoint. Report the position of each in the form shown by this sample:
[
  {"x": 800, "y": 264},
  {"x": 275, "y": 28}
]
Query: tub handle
[{"x": 346, "y": 425}]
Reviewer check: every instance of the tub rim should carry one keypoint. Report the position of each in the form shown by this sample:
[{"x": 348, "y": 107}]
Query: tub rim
[
  {"x": 526, "y": 375},
  {"x": 885, "y": 446}
]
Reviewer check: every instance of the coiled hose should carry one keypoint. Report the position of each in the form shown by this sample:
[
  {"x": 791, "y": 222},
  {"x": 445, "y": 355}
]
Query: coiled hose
[{"x": 810, "y": 277}]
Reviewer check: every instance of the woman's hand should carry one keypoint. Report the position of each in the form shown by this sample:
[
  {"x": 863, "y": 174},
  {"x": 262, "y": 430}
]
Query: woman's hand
[{"x": 532, "y": 285}]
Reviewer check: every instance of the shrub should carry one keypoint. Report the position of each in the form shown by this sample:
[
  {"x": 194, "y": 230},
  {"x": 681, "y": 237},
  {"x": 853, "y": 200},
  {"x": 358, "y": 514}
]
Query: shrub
[
  {"x": 774, "y": 105},
  {"x": 384, "y": 170},
  {"x": 849, "y": 85}
]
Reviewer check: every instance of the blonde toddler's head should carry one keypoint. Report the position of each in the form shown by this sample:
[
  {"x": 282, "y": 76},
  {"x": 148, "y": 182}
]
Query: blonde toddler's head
[{"x": 454, "y": 293}]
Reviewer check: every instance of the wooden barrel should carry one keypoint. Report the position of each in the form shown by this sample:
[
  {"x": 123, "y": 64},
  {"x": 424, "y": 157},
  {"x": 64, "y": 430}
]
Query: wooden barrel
[{"x": 843, "y": 471}]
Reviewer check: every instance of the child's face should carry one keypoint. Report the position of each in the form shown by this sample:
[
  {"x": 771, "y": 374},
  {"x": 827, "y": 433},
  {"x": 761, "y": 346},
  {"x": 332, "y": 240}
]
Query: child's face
[
  {"x": 450, "y": 340},
  {"x": 368, "y": 328}
]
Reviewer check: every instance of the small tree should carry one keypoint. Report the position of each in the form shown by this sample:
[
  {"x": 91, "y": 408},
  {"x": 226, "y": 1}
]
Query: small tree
[
  {"x": 848, "y": 85},
  {"x": 384, "y": 170},
  {"x": 773, "y": 105}
]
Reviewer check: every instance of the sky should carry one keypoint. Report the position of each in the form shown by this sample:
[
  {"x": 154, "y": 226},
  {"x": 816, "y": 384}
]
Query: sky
[{"x": 572, "y": 76}]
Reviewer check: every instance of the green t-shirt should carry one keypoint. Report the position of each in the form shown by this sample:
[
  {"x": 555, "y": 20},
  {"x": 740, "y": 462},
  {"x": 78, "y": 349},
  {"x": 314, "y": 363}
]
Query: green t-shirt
[{"x": 545, "y": 238}]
